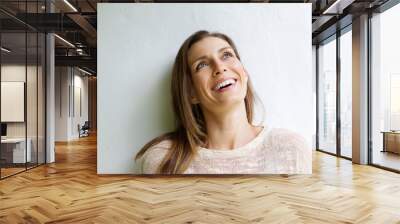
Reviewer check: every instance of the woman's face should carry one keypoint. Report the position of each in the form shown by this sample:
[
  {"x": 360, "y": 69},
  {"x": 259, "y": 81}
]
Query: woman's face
[{"x": 218, "y": 76}]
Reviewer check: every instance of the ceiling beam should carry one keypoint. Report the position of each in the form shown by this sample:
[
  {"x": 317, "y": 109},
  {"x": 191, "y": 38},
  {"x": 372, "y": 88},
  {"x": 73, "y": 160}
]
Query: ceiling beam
[
  {"x": 85, "y": 61},
  {"x": 83, "y": 23}
]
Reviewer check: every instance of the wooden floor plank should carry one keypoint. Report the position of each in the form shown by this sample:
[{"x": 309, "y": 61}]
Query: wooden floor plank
[{"x": 70, "y": 191}]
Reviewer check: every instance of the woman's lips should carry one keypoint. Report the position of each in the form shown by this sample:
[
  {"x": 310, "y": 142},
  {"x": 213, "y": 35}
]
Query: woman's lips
[
  {"x": 224, "y": 82},
  {"x": 227, "y": 88}
]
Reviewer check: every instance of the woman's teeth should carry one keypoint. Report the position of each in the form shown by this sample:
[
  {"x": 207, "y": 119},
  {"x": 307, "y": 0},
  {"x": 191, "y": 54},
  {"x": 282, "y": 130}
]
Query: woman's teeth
[{"x": 224, "y": 84}]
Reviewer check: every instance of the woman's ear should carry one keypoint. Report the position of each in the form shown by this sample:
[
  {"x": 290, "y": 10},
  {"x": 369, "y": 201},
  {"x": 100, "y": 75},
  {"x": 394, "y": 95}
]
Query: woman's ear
[
  {"x": 194, "y": 100},
  {"x": 193, "y": 97}
]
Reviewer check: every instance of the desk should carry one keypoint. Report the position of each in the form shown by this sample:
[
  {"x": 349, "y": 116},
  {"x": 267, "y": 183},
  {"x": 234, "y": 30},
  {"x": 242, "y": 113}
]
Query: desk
[
  {"x": 391, "y": 141},
  {"x": 16, "y": 147}
]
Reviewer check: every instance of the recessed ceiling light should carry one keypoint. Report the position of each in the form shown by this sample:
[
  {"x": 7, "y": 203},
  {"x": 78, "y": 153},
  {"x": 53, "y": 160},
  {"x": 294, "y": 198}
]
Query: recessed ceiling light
[
  {"x": 5, "y": 50},
  {"x": 337, "y": 7},
  {"x": 84, "y": 71},
  {"x": 64, "y": 40},
  {"x": 70, "y": 5}
]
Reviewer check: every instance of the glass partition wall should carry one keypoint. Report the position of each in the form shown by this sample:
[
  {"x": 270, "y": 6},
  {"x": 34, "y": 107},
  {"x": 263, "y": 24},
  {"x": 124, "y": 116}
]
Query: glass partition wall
[
  {"x": 334, "y": 71},
  {"x": 13, "y": 110},
  {"x": 22, "y": 99},
  {"x": 334, "y": 75},
  {"x": 385, "y": 89},
  {"x": 327, "y": 95},
  {"x": 346, "y": 93}
]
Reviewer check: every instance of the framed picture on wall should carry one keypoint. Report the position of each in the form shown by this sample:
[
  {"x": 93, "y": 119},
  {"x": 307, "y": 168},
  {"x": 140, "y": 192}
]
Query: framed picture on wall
[{"x": 12, "y": 101}]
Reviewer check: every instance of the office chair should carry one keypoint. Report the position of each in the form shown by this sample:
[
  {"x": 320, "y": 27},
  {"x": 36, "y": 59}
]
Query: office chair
[{"x": 84, "y": 130}]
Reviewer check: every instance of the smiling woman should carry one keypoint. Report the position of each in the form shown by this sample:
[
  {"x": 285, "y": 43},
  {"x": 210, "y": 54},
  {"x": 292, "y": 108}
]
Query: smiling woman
[{"x": 213, "y": 101}]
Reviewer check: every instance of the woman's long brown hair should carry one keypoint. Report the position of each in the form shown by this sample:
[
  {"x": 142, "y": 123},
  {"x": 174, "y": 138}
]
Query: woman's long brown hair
[{"x": 190, "y": 127}]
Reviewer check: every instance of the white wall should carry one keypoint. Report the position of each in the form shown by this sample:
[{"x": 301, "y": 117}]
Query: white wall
[
  {"x": 137, "y": 44},
  {"x": 68, "y": 81},
  {"x": 314, "y": 85},
  {"x": 61, "y": 103}
]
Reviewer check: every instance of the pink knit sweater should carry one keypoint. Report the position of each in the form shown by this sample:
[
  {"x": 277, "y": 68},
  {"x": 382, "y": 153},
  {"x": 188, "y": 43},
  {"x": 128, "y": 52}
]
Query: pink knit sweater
[{"x": 273, "y": 151}]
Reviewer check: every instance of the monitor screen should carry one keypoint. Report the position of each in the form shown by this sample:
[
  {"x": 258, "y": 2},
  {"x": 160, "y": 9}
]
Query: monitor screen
[{"x": 3, "y": 129}]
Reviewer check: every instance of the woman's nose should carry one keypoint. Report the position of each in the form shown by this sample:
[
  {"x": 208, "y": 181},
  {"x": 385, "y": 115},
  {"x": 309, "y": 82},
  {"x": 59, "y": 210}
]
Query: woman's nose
[{"x": 219, "y": 68}]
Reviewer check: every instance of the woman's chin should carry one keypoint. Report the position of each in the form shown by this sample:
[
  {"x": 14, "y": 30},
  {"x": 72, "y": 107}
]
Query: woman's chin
[
  {"x": 234, "y": 94},
  {"x": 230, "y": 100}
]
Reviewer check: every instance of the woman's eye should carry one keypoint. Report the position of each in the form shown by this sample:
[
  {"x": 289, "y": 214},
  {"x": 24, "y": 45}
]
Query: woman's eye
[
  {"x": 200, "y": 65},
  {"x": 227, "y": 54}
]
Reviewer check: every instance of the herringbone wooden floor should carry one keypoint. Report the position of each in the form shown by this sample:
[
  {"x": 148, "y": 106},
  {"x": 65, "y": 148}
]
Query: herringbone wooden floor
[{"x": 70, "y": 191}]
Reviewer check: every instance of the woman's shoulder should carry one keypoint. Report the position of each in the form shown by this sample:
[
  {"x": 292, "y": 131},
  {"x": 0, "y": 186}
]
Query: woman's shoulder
[
  {"x": 286, "y": 139},
  {"x": 154, "y": 155},
  {"x": 285, "y": 136},
  {"x": 292, "y": 145}
]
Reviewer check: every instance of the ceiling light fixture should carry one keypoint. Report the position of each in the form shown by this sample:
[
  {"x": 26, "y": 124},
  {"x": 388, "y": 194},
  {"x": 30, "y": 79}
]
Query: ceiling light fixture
[
  {"x": 70, "y": 5},
  {"x": 65, "y": 41},
  {"x": 5, "y": 49},
  {"x": 337, "y": 7},
  {"x": 86, "y": 72}
]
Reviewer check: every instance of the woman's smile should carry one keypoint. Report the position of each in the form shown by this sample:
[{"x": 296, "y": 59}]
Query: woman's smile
[{"x": 225, "y": 85}]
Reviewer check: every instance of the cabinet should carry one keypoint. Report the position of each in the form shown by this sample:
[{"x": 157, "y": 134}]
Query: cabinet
[{"x": 391, "y": 141}]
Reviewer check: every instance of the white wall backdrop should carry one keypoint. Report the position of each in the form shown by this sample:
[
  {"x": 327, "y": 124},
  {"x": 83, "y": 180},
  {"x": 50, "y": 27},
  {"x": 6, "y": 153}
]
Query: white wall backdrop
[
  {"x": 71, "y": 102},
  {"x": 137, "y": 44}
]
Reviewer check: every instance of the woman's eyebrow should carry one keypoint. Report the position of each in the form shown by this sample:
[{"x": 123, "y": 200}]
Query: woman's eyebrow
[
  {"x": 224, "y": 48},
  {"x": 202, "y": 57}
]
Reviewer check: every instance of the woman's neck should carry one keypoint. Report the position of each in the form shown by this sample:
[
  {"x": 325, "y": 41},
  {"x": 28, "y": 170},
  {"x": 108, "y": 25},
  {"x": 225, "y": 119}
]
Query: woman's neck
[{"x": 230, "y": 129}]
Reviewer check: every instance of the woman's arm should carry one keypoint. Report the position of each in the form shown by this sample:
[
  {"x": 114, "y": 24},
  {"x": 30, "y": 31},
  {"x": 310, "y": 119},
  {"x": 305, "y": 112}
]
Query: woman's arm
[{"x": 153, "y": 157}]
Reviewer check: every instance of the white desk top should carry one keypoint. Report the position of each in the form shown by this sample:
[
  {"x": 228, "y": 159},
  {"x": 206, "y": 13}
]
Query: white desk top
[{"x": 13, "y": 140}]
